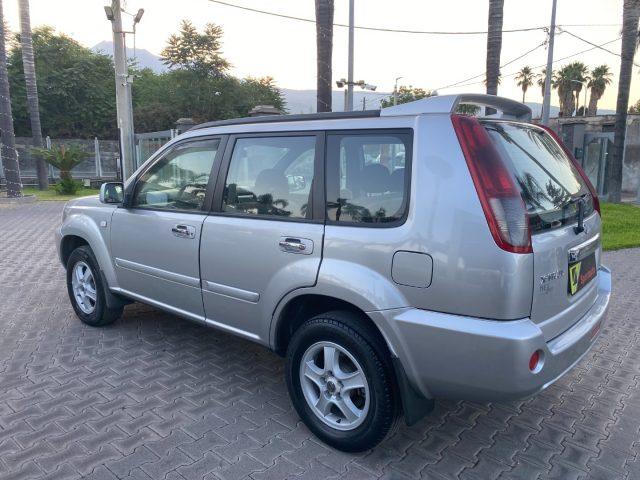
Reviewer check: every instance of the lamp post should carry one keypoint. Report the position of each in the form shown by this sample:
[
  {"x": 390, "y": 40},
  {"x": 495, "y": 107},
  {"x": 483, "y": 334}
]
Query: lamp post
[
  {"x": 584, "y": 85},
  {"x": 348, "y": 93},
  {"x": 395, "y": 91},
  {"x": 124, "y": 108}
]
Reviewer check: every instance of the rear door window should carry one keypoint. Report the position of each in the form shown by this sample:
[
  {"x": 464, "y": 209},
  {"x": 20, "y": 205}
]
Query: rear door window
[
  {"x": 367, "y": 177},
  {"x": 548, "y": 180},
  {"x": 271, "y": 176}
]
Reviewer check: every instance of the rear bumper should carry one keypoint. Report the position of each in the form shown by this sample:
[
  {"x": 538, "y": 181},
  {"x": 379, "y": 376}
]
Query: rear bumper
[{"x": 457, "y": 357}]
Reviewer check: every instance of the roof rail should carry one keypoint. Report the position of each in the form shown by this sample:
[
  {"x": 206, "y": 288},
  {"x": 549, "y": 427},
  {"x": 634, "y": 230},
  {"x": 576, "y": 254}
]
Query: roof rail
[
  {"x": 290, "y": 118},
  {"x": 449, "y": 103}
]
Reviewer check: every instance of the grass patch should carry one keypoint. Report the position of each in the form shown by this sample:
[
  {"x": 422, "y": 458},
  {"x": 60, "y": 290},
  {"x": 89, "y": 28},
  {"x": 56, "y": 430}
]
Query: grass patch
[
  {"x": 52, "y": 195},
  {"x": 620, "y": 226}
]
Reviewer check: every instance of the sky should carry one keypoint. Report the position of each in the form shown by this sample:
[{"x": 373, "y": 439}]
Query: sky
[{"x": 261, "y": 45}]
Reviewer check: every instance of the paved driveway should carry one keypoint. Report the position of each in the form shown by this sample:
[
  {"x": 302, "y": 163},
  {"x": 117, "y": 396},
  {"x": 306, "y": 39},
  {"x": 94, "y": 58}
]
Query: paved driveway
[{"x": 153, "y": 396}]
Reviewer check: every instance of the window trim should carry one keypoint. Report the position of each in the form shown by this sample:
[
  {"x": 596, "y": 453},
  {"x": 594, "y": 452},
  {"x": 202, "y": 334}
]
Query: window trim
[
  {"x": 316, "y": 193},
  {"x": 406, "y": 201},
  {"x": 215, "y": 168}
]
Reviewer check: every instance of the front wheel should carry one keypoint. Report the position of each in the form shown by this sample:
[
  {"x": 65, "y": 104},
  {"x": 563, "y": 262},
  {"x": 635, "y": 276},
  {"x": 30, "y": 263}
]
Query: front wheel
[
  {"x": 86, "y": 289},
  {"x": 340, "y": 381}
]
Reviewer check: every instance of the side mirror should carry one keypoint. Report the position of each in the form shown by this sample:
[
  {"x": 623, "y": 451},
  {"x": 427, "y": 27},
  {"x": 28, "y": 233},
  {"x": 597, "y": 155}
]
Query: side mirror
[{"x": 111, "y": 192}]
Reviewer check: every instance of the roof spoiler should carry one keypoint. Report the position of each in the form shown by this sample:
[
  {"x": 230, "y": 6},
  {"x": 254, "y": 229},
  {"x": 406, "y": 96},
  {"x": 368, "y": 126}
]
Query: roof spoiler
[{"x": 448, "y": 104}]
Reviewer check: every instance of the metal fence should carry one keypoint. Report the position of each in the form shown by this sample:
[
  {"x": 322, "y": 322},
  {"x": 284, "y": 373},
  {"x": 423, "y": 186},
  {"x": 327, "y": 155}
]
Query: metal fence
[{"x": 103, "y": 162}]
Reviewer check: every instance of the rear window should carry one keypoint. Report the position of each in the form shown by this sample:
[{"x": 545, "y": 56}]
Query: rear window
[{"x": 548, "y": 180}]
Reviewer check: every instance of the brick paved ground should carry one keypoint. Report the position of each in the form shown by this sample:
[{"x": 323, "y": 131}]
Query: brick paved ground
[{"x": 156, "y": 397}]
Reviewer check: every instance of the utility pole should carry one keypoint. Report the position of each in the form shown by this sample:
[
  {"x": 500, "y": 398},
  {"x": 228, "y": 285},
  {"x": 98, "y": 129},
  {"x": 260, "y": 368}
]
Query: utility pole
[
  {"x": 546, "y": 102},
  {"x": 123, "y": 90},
  {"x": 349, "y": 105}
]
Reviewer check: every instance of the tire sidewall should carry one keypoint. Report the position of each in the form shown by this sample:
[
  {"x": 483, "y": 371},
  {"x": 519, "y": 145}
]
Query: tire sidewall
[
  {"x": 84, "y": 254},
  {"x": 369, "y": 432}
]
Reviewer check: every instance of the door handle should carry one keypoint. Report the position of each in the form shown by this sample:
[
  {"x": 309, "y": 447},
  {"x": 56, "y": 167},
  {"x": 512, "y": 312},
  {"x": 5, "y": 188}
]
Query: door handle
[
  {"x": 296, "y": 245},
  {"x": 184, "y": 231}
]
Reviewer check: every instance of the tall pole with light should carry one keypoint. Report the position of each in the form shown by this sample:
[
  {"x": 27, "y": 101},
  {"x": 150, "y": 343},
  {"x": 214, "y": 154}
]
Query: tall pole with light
[
  {"x": 395, "y": 91},
  {"x": 349, "y": 102},
  {"x": 546, "y": 102},
  {"x": 124, "y": 106},
  {"x": 343, "y": 82}
]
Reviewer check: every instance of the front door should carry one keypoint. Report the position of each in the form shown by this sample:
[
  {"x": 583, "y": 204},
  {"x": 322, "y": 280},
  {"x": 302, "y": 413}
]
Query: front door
[
  {"x": 266, "y": 240},
  {"x": 155, "y": 241}
]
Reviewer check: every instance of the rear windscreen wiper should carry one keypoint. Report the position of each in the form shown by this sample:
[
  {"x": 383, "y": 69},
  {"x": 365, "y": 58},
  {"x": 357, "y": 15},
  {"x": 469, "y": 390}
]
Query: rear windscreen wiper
[{"x": 581, "y": 202}]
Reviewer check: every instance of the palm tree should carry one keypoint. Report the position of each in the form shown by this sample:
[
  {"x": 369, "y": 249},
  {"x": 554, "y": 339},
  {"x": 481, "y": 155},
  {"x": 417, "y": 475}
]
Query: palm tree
[
  {"x": 580, "y": 76},
  {"x": 599, "y": 79},
  {"x": 563, "y": 82},
  {"x": 494, "y": 45},
  {"x": 524, "y": 79},
  {"x": 8, "y": 141},
  {"x": 542, "y": 78},
  {"x": 324, "y": 46},
  {"x": 630, "y": 12},
  {"x": 29, "y": 67}
]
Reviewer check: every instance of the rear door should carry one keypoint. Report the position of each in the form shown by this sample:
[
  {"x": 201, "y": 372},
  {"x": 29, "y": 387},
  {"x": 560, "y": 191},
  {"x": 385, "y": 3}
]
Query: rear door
[
  {"x": 566, "y": 260},
  {"x": 264, "y": 237}
]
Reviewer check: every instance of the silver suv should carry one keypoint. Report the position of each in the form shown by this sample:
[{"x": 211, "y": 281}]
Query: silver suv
[{"x": 393, "y": 257}]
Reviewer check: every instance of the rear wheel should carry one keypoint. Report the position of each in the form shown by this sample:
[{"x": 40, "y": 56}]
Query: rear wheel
[
  {"x": 340, "y": 381},
  {"x": 86, "y": 289}
]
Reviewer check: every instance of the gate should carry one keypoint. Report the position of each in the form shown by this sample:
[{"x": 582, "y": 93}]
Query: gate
[
  {"x": 148, "y": 143},
  {"x": 597, "y": 148}
]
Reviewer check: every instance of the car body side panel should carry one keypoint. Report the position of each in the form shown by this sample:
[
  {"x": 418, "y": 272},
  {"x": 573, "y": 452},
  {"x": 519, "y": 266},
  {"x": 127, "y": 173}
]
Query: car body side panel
[{"x": 471, "y": 274}]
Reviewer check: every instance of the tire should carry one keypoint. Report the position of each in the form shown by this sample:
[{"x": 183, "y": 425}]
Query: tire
[
  {"x": 92, "y": 311},
  {"x": 320, "y": 389}
]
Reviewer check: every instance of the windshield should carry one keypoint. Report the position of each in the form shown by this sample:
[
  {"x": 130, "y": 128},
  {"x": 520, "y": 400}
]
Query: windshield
[{"x": 549, "y": 182}]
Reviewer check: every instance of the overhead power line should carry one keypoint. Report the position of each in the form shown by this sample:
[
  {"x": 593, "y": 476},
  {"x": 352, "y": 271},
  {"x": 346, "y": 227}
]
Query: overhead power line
[
  {"x": 501, "y": 66},
  {"x": 594, "y": 45},
  {"x": 513, "y": 74},
  {"x": 375, "y": 29}
]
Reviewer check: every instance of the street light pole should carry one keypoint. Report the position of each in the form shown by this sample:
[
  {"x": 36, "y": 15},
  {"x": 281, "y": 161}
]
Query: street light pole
[
  {"x": 395, "y": 91},
  {"x": 546, "y": 102},
  {"x": 124, "y": 107},
  {"x": 349, "y": 105}
]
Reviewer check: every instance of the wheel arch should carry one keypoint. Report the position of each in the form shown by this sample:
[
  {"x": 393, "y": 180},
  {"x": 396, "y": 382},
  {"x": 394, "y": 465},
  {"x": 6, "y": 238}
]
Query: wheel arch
[
  {"x": 80, "y": 230},
  {"x": 68, "y": 244},
  {"x": 298, "y": 308}
]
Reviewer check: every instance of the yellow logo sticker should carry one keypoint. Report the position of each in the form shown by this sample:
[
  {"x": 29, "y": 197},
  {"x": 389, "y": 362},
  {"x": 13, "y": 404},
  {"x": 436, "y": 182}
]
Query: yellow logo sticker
[{"x": 574, "y": 277}]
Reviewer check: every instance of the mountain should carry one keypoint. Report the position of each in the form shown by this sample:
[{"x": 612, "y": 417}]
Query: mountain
[
  {"x": 145, "y": 58},
  {"x": 304, "y": 101}
]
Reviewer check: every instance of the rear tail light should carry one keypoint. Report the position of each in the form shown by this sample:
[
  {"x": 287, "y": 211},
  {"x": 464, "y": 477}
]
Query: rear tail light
[
  {"x": 592, "y": 190},
  {"x": 499, "y": 196}
]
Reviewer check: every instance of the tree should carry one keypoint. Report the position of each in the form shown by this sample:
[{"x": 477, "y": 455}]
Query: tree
[
  {"x": 566, "y": 81},
  {"x": 64, "y": 159},
  {"x": 200, "y": 52},
  {"x": 542, "y": 76},
  {"x": 32, "y": 89},
  {"x": 524, "y": 79},
  {"x": 581, "y": 76},
  {"x": 630, "y": 13},
  {"x": 7, "y": 140},
  {"x": 75, "y": 88},
  {"x": 598, "y": 80},
  {"x": 407, "y": 94},
  {"x": 324, "y": 49},
  {"x": 494, "y": 45},
  {"x": 197, "y": 88},
  {"x": 635, "y": 108}
]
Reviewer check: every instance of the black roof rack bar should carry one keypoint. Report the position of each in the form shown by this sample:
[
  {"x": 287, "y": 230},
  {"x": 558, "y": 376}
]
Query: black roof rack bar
[{"x": 290, "y": 118}]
